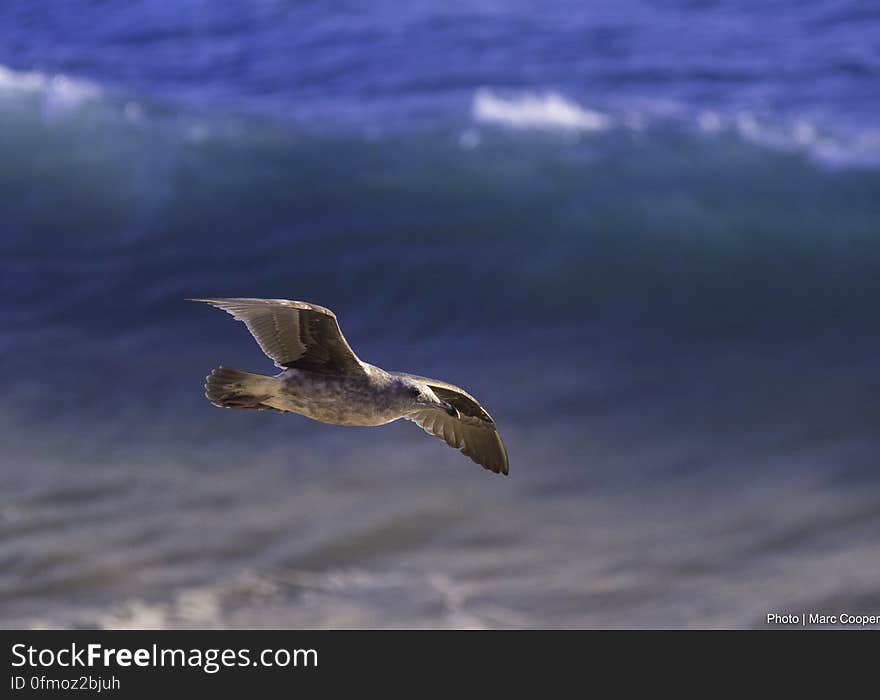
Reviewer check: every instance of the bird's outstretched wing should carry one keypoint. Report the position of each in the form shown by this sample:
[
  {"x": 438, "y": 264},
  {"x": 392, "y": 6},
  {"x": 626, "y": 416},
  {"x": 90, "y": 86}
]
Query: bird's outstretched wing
[
  {"x": 473, "y": 431},
  {"x": 295, "y": 334}
]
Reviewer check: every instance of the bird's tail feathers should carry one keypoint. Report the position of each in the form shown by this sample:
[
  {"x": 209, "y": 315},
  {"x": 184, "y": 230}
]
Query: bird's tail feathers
[{"x": 234, "y": 388}]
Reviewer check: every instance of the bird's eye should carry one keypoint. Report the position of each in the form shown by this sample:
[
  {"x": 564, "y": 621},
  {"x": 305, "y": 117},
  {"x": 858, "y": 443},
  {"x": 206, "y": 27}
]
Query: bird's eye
[{"x": 415, "y": 391}]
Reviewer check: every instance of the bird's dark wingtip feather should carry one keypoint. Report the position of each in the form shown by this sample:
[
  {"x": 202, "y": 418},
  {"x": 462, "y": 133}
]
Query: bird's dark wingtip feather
[{"x": 495, "y": 468}]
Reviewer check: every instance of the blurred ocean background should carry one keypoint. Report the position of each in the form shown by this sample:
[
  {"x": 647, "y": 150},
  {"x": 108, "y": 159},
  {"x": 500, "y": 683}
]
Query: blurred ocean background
[{"x": 646, "y": 235}]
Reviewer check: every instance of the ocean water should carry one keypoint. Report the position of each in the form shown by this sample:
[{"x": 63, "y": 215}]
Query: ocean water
[{"x": 645, "y": 235}]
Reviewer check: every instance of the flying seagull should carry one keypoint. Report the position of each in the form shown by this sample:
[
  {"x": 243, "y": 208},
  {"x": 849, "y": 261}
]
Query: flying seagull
[{"x": 323, "y": 379}]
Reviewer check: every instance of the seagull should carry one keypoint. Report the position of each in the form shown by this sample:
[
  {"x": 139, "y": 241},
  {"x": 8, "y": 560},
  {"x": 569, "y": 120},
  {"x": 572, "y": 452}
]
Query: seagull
[{"x": 323, "y": 379}]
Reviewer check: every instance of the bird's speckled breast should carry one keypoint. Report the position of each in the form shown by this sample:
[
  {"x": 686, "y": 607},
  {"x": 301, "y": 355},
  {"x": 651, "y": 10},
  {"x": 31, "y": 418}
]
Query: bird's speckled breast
[{"x": 337, "y": 399}]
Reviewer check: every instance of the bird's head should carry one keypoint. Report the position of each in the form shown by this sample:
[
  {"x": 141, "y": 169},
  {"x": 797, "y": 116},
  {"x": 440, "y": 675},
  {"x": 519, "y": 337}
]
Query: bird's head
[{"x": 419, "y": 395}]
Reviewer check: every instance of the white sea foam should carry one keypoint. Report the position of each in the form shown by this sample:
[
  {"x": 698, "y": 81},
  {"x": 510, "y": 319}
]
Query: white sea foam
[
  {"x": 336, "y": 598},
  {"x": 59, "y": 86},
  {"x": 831, "y": 147},
  {"x": 823, "y": 143},
  {"x": 59, "y": 93},
  {"x": 536, "y": 111}
]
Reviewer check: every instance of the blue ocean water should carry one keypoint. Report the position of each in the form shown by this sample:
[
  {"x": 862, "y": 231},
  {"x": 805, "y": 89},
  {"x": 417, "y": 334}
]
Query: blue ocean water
[{"x": 644, "y": 234}]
